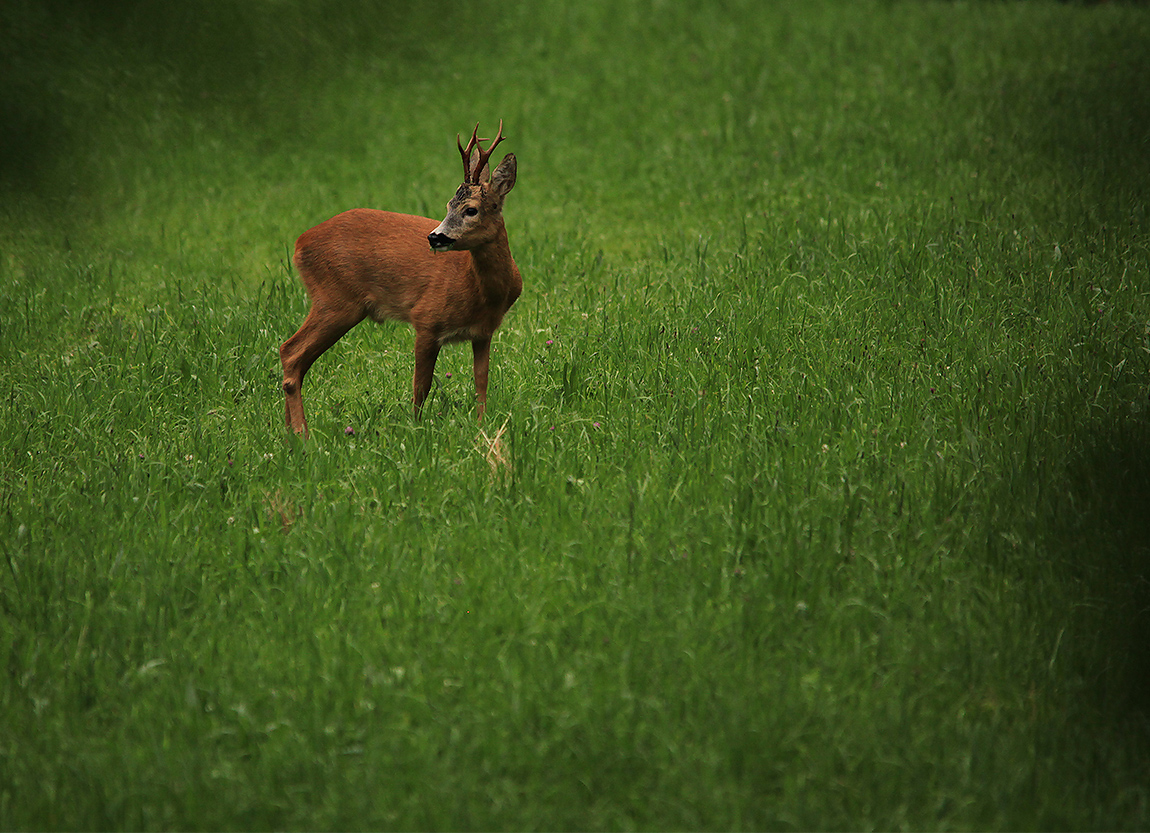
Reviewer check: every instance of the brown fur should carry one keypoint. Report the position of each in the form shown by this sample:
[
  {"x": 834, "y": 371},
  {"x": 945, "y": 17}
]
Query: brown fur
[{"x": 374, "y": 264}]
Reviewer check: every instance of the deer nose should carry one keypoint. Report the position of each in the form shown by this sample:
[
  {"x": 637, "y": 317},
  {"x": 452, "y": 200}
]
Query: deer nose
[{"x": 440, "y": 242}]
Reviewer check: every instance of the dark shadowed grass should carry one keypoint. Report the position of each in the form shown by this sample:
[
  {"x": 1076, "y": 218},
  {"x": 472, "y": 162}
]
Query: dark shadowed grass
[{"x": 824, "y": 412}]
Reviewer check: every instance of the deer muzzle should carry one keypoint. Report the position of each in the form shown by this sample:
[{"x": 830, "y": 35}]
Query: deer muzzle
[{"x": 440, "y": 242}]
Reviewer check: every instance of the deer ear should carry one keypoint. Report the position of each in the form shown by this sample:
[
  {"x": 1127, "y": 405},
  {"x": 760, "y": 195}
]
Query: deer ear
[{"x": 503, "y": 180}]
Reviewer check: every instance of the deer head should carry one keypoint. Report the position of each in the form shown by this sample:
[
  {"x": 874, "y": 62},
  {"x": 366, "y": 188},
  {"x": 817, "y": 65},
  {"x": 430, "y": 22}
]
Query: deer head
[{"x": 475, "y": 213}]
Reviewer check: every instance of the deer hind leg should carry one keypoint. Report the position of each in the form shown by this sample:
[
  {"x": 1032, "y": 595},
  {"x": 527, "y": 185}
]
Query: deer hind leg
[
  {"x": 426, "y": 352},
  {"x": 322, "y": 328}
]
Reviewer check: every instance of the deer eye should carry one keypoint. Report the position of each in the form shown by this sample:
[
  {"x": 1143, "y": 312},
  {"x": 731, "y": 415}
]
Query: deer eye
[{"x": 470, "y": 211}]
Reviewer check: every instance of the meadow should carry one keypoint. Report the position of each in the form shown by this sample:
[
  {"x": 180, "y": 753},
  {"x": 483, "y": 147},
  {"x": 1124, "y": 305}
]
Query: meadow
[{"x": 823, "y": 493}]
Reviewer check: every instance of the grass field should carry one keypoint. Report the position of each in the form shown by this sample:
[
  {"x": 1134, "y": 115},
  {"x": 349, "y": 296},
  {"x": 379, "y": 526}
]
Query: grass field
[{"x": 826, "y": 491}]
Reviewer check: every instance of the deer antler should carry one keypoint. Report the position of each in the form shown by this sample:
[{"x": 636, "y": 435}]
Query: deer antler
[
  {"x": 484, "y": 155},
  {"x": 471, "y": 175},
  {"x": 466, "y": 154}
]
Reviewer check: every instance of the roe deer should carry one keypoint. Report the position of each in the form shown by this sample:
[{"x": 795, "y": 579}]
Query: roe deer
[{"x": 452, "y": 281}]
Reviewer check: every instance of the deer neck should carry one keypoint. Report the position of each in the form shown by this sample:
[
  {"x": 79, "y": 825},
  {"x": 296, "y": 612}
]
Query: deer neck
[{"x": 492, "y": 264}]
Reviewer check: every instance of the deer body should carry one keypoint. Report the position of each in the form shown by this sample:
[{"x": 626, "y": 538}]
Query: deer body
[{"x": 452, "y": 281}]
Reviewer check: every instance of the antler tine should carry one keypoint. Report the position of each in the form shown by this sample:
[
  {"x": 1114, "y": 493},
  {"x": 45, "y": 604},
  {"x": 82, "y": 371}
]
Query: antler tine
[
  {"x": 485, "y": 155},
  {"x": 466, "y": 154}
]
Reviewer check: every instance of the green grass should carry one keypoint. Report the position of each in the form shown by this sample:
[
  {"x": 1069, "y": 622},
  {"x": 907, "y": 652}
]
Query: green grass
[{"x": 826, "y": 418}]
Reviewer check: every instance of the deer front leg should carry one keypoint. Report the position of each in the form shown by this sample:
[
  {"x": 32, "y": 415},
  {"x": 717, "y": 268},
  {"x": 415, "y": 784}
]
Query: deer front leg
[
  {"x": 426, "y": 352},
  {"x": 481, "y": 351}
]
